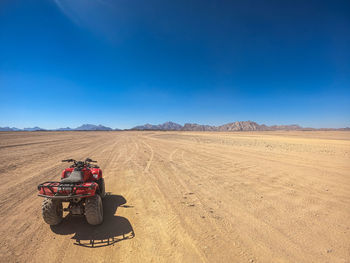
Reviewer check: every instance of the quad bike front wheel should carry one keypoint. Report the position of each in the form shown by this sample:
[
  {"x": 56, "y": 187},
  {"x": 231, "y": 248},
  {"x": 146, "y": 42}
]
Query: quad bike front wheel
[
  {"x": 94, "y": 210},
  {"x": 52, "y": 211}
]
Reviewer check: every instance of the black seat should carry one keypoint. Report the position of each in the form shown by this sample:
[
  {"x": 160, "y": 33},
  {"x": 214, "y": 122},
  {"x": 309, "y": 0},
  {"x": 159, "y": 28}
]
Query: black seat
[{"x": 74, "y": 177}]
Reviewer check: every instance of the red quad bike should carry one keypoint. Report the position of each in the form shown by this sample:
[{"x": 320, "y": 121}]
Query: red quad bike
[{"x": 82, "y": 186}]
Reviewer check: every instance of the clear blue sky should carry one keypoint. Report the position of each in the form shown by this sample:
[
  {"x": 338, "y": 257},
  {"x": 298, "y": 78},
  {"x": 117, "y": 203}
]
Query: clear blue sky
[{"x": 127, "y": 62}]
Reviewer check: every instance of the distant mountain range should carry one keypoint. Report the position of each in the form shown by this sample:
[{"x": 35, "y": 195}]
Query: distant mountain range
[
  {"x": 172, "y": 126},
  {"x": 24, "y": 129},
  {"x": 84, "y": 127},
  {"x": 233, "y": 126},
  {"x": 91, "y": 127}
]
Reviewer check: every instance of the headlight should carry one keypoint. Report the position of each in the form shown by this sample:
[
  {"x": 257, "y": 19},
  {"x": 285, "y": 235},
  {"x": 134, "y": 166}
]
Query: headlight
[{"x": 95, "y": 176}]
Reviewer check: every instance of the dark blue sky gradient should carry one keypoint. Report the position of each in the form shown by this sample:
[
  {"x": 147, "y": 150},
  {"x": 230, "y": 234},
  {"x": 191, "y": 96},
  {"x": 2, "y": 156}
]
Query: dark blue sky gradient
[{"x": 123, "y": 63}]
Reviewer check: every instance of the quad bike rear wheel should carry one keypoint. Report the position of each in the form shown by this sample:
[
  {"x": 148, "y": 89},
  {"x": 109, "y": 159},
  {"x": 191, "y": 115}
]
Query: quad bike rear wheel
[
  {"x": 52, "y": 211},
  {"x": 94, "y": 210},
  {"x": 101, "y": 184}
]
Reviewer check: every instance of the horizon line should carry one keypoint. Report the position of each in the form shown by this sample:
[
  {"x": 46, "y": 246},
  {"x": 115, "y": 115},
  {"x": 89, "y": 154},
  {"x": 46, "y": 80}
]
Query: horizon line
[{"x": 117, "y": 128}]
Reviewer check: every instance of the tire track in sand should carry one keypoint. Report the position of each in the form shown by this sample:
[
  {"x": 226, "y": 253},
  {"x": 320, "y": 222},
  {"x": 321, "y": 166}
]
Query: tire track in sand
[{"x": 149, "y": 162}]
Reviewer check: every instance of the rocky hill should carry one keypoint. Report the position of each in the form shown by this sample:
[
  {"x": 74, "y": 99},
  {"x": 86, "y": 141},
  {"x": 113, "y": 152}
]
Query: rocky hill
[
  {"x": 198, "y": 127},
  {"x": 167, "y": 126},
  {"x": 242, "y": 126},
  {"x": 239, "y": 126},
  {"x": 92, "y": 127}
]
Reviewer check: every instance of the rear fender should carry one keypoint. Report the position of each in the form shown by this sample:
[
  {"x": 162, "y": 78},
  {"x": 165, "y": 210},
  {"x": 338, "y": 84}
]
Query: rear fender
[{"x": 96, "y": 173}]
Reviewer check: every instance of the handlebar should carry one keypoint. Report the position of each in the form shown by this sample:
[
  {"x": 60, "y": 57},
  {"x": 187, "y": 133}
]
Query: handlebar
[
  {"x": 87, "y": 161},
  {"x": 69, "y": 160}
]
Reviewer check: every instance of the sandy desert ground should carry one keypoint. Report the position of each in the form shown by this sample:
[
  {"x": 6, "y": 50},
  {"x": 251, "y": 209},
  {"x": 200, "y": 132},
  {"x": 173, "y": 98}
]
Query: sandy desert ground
[{"x": 183, "y": 197}]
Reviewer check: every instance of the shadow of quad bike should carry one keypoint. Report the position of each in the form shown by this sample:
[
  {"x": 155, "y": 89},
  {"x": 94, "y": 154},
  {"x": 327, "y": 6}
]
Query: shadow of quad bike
[{"x": 113, "y": 229}]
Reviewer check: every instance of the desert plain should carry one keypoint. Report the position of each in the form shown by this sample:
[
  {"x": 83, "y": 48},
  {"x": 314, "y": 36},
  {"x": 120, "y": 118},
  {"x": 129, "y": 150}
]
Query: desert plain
[{"x": 281, "y": 196}]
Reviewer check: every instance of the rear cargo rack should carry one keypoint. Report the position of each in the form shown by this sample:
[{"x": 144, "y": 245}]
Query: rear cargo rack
[{"x": 47, "y": 188}]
